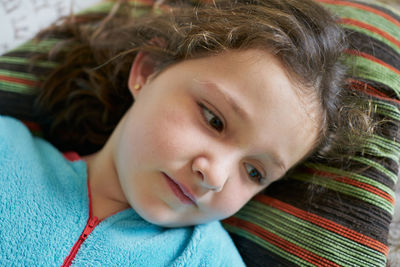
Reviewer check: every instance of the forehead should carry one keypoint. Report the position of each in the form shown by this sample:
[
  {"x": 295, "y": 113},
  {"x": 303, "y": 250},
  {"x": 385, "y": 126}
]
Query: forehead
[{"x": 269, "y": 114}]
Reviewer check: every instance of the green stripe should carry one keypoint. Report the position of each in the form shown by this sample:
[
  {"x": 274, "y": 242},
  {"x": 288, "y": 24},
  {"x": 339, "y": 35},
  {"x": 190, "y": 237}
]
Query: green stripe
[
  {"x": 268, "y": 246},
  {"x": 377, "y": 166},
  {"x": 368, "y": 69},
  {"x": 22, "y": 75},
  {"x": 389, "y": 144},
  {"x": 107, "y": 6},
  {"x": 311, "y": 237},
  {"x": 25, "y": 61},
  {"x": 139, "y": 9},
  {"x": 104, "y": 7},
  {"x": 351, "y": 175},
  {"x": 372, "y": 35},
  {"x": 386, "y": 6},
  {"x": 16, "y": 88},
  {"x": 386, "y": 109},
  {"x": 382, "y": 147},
  {"x": 346, "y": 189},
  {"x": 365, "y": 17},
  {"x": 41, "y": 47}
]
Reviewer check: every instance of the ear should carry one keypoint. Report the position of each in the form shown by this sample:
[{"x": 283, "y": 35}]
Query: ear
[{"x": 142, "y": 67}]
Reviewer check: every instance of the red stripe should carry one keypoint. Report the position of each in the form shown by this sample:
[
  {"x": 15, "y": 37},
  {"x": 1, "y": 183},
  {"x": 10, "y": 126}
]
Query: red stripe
[
  {"x": 371, "y": 28},
  {"x": 324, "y": 223},
  {"x": 368, "y": 89},
  {"x": 366, "y": 187},
  {"x": 72, "y": 156},
  {"x": 32, "y": 126},
  {"x": 362, "y": 7},
  {"x": 362, "y": 86},
  {"x": 18, "y": 80},
  {"x": 355, "y": 183},
  {"x": 372, "y": 58},
  {"x": 279, "y": 242}
]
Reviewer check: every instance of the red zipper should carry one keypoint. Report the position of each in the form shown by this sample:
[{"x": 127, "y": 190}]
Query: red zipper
[{"x": 91, "y": 224}]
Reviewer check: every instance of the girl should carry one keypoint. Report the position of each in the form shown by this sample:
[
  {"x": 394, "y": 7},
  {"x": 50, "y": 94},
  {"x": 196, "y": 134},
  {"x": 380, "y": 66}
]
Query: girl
[{"x": 228, "y": 97}]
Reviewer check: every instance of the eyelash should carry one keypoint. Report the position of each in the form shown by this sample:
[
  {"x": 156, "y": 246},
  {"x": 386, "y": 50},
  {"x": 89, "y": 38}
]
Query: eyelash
[{"x": 258, "y": 178}]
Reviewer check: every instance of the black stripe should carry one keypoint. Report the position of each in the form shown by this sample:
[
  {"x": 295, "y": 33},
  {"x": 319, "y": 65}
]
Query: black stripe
[
  {"x": 256, "y": 256},
  {"x": 345, "y": 210},
  {"x": 356, "y": 167},
  {"x": 369, "y": 45},
  {"x": 58, "y": 58},
  {"x": 24, "y": 54},
  {"x": 370, "y": 172},
  {"x": 26, "y": 68},
  {"x": 380, "y": 8},
  {"x": 17, "y": 105}
]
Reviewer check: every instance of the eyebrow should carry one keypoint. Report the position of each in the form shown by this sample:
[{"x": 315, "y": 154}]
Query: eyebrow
[
  {"x": 228, "y": 98},
  {"x": 278, "y": 161}
]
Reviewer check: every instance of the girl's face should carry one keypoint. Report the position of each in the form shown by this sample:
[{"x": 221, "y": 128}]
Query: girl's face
[{"x": 206, "y": 135}]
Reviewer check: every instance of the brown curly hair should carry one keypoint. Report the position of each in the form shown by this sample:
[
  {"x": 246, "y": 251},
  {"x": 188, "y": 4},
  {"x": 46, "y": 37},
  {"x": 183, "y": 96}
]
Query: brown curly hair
[{"x": 83, "y": 99}]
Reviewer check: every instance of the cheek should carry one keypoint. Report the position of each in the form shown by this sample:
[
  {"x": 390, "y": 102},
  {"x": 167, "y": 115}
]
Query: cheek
[
  {"x": 230, "y": 201},
  {"x": 162, "y": 133},
  {"x": 172, "y": 132}
]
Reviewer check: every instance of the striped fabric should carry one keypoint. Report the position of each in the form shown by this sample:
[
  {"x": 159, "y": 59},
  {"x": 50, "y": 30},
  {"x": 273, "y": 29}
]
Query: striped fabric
[{"x": 322, "y": 215}]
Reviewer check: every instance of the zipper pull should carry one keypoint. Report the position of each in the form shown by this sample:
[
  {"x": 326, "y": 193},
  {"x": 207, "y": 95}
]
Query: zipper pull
[{"x": 91, "y": 224}]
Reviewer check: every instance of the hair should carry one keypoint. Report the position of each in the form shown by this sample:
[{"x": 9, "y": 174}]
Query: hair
[{"x": 84, "y": 98}]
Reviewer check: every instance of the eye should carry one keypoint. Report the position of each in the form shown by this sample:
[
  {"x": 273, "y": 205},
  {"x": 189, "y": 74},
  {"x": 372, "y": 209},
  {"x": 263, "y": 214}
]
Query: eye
[
  {"x": 254, "y": 174},
  {"x": 213, "y": 120}
]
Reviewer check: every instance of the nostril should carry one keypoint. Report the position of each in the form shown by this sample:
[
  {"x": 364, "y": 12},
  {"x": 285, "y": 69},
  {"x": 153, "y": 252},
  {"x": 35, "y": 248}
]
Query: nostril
[
  {"x": 208, "y": 177},
  {"x": 198, "y": 167},
  {"x": 200, "y": 175}
]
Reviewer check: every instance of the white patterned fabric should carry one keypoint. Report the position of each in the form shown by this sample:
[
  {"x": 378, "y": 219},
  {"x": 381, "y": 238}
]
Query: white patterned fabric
[{"x": 20, "y": 20}]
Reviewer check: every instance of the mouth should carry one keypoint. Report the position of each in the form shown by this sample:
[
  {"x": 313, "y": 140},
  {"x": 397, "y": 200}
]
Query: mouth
[{"x": 180, "y": 191}]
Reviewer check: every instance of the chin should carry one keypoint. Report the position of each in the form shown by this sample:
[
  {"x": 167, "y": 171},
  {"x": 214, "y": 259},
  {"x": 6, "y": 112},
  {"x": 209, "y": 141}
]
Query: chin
[
  {"x": 168, "y": 222},
  {"x": 159, "y": 218}
]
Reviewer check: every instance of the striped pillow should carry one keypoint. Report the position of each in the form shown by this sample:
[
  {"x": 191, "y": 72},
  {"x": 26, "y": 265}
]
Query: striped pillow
[
  {"x": 344, "y": 219},
  {"x": 324, "y": 215}
]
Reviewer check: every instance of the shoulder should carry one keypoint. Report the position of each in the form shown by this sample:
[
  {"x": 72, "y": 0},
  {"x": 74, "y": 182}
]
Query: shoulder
[
  {"x": 21, "y": 151},
  {"x": 14, "y": 135},
  {"x": 214, "y": 247},
  {"x": 10, "y": 126}
]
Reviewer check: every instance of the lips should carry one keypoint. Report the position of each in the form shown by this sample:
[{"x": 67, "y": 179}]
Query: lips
[{"x": 180, "y": 191}]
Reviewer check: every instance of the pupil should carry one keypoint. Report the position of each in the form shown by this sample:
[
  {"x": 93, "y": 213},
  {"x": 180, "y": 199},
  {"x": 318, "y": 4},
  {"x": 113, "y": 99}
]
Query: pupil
[
  {"x": 216, "y": 123},
  {"x": 253, "y": 173}
]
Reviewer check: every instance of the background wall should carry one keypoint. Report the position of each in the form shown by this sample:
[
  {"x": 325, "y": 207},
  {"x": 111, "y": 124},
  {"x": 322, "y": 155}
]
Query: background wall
[{"x": 20, "y": 20}]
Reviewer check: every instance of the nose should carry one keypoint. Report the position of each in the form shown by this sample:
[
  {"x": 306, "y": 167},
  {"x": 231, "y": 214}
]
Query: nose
[{"x": 213, "y": 174}]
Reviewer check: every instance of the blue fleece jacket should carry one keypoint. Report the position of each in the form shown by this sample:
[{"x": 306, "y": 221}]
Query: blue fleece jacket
[{"x": 44, "y": 208}]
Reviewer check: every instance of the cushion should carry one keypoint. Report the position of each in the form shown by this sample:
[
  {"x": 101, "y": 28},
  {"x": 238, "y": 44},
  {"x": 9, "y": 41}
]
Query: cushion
[{"x": 320, "y": 214}]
